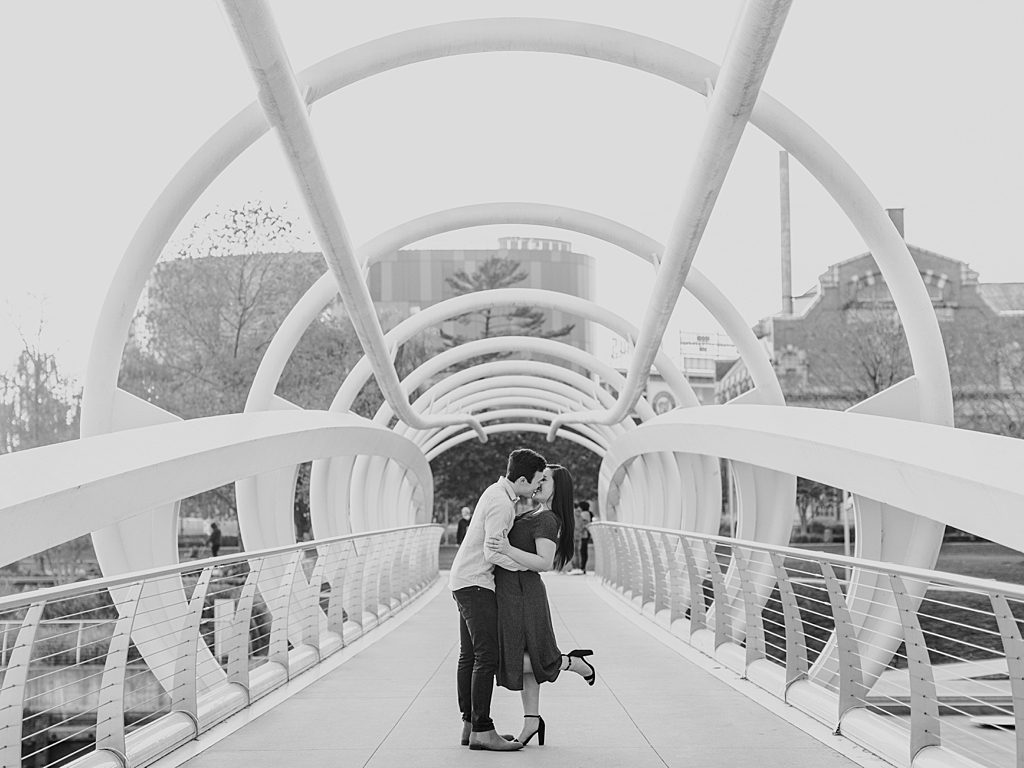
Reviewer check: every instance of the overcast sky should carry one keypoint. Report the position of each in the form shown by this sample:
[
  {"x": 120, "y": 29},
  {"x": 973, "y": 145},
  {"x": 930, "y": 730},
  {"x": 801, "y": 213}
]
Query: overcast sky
[{"x": 104, "y": 102}]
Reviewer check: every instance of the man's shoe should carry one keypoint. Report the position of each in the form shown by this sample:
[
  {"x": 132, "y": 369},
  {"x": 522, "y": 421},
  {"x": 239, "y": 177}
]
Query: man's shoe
[
  {"x": 467, "y": 729},
  {"x": 491, "y": 741}
]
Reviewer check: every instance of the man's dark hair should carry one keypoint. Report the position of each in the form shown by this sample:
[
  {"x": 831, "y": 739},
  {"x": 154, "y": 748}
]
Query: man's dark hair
[
  {"x": 523, "y": 462},
  {"x": 585, "y": 506}
]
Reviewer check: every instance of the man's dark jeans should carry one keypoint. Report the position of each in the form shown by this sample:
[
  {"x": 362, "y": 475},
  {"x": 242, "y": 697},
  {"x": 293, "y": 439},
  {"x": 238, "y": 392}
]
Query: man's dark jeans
[{"x": 478, "y": 654}]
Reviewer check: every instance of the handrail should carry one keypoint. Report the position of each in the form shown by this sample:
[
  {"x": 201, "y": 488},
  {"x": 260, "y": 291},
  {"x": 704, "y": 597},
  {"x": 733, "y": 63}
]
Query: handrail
[
  {"x": 791, "y": 621},
  {"x": 252, "y": 622},
  {"x": 1015, "y": 591},
  {"x": 64, "y": 591}
]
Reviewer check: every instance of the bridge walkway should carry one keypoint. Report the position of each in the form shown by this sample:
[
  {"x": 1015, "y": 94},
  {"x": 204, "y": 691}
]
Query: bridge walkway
[{"x": 393, "y": 704}]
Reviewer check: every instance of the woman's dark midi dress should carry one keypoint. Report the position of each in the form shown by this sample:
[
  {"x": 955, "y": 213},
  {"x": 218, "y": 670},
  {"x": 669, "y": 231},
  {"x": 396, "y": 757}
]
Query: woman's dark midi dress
[{"x": 524, "y": 618}]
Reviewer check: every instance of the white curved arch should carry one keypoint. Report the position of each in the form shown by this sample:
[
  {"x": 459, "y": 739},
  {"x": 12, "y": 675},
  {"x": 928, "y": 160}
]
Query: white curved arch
[
  {"x": 330, "y": 479},
  {"x": 114, "y": 477},
  {"x": 492, "y": 429},
  {"x": 528, "y": 297},
  {"x": 98, "y": 413},
  {"x": 572, "y": 38}
]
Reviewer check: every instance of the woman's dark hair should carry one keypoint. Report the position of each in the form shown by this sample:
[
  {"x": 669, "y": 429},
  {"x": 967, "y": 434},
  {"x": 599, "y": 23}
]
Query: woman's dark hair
[{"x": 561, "y": 505}]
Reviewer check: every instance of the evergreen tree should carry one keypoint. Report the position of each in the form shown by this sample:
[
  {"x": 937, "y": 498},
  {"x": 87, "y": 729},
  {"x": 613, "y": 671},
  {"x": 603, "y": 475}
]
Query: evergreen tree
[{"x": 498, "y": 272}]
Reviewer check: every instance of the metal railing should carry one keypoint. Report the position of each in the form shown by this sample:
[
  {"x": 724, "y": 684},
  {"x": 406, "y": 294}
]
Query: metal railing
[
  {"x": 87, "y": 682},
  {"x": 794, "y": 622}
]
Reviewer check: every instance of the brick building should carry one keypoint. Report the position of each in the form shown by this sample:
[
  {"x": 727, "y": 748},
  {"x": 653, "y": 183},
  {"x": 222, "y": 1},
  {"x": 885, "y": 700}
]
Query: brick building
[{"x": 844, "y": 341}]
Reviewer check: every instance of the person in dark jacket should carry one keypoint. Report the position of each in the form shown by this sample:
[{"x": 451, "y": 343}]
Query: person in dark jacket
[
  {"x": 460, "y": 532},
  {"x": 214, "y": 540}
]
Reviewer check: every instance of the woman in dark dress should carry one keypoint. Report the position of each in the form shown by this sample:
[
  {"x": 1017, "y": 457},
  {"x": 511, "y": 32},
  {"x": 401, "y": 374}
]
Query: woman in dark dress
[{"x": 528, "y": 655}]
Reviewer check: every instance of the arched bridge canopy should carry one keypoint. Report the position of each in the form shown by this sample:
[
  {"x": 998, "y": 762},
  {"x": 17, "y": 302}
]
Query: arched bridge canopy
[{"x": 909, "y": 470}]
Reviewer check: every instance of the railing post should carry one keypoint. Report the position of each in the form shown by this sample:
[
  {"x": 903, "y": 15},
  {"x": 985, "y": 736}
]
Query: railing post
[
  {"x": 636, "y": 577},
  {"x": 403, "y": 558},
  {"x": 387, "y": 545},
  {"x": 311, "y": 617},
  {"x": 698, "y": 611},
  {"x": 625, "y": 567},
  {"x": 354, "y": 585},
  {"x": 797, "y": 667},
  {"x": 658, "y": 572},
  {"x": 722, "y": 621},
  {"x": 924, "y": 701},
  {"x": 420, "y": 563},
  {"x": 1013, "y": 649},
  {"x": 852, "y": 692},
  {"x": 371, "y": 580},
  {"x": 185, "y": 697},
  {"x": 678, "y": 599},
  {"x": 110, "y": 734},
  {"x": 645, "y": 558},
  {"x": 600, "y": 555},
  {"x": 335, "y": 598},
  {"x": 238, "y": 652},
  {"x": 755, "y": 641},
  {"x": 280, "y": 615},
  {"x": 12, "y": 694}
]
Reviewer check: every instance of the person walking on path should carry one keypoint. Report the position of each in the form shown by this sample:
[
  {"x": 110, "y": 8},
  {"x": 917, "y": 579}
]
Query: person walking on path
[
  {"x": 214, "y": 539},
  {"x": 460, "y": 531},
  {"x": 472, "y": 585},
  {"x": 586, "y": 518},
  {"x": 541, "y": 541}
]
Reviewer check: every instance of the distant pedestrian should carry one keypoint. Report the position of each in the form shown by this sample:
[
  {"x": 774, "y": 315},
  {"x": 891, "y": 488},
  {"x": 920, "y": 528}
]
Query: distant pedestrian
[
  {"x": 460, "y": 532},
  {"x": 585, "y": 518},
  {"x": 577, "y": 540},
  {"x": 214, "y": 540}
]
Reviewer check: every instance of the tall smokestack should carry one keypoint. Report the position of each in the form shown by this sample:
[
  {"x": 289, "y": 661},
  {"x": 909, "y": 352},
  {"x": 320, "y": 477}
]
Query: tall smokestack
[
  {"x": 787, "y": 260},
  {"x": 896, "y": 214}
]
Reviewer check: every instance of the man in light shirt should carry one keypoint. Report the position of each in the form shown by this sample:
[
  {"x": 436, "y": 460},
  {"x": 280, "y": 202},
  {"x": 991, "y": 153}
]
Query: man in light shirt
[{"x": 472, "y": 585}]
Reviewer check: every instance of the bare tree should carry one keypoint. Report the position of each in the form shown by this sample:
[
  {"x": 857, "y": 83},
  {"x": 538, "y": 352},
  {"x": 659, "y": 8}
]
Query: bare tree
[
  {"x": 986, "y": 366},
  {"x": 214, "y": 304},
  {"x": 852, "y": 355},
  {"x": 39, "y": 405}
]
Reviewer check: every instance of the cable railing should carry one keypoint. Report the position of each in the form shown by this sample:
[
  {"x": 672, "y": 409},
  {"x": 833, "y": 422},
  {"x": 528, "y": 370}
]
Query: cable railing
[
  {"x": 85, "y": 684},
  {"x": 806, "y": 626}
]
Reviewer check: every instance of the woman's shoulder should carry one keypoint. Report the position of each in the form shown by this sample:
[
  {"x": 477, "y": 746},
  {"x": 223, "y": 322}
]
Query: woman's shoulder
[{"x": 549, "y": 515}]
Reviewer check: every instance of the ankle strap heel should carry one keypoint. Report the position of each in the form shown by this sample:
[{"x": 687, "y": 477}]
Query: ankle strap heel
[{"x": 539, "y": 733}]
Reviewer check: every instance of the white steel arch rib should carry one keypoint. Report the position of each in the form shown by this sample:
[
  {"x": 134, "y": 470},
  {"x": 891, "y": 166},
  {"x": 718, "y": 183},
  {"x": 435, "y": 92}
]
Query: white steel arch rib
[
  {"x": 510, "y": 427},
  {"x": 115, "y": 477},
  {"x": 540, "y": 35},
  {"x": 264, "y": 497},
  {"x": 322, "y": 293},
  {"x": 101, "y": 406},
  {"x": 329, "y": 481}
]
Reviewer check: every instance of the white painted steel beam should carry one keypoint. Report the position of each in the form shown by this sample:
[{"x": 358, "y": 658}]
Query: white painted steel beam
[
  {"x": 493, "y": 429},
  {"x": 736, "y": 89},
  {"x": 287, "y": 111},
  {"x": 321, "y": 293},
  {"x": 542, "y": 35},
  {"x": 112, "y": 477},
  {"x": 513, "y": 297},
  {"x": 945, "y": 474}
]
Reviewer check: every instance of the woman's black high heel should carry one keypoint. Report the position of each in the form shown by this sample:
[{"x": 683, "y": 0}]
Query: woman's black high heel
[
  {"x": 539, "y": 733},
  {"x": 581, "y": 654}
]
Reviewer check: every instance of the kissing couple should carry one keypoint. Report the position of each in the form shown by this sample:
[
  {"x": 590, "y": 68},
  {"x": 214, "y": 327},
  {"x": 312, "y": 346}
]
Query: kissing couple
[{"x": 504, "y": 618}]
